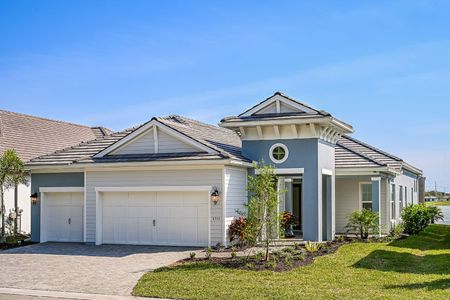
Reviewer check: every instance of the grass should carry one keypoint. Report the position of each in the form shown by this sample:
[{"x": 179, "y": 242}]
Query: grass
[
  {"x": 414, "y": 268},
  {"x": 440, "y": 203}
]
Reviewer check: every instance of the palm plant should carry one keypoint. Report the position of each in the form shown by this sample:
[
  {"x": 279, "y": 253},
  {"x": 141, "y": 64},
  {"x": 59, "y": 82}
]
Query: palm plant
[{"x": 12, "y": 173}]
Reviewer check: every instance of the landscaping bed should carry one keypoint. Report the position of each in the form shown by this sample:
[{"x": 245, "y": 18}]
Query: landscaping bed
[
  {"x": 281, "y": 260},
  {"x": 19, "y": 240},
  {"x": 417, "y": 267}
]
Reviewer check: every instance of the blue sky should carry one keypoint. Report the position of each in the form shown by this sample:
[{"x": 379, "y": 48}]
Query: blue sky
[{"x": 383, "y": 66}]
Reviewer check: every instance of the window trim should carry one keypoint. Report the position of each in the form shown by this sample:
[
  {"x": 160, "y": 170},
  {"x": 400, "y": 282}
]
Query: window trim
[
  {"x": 360, "y": 194},
  {"x": 273, "y": 159},
  {"x": 393, "y": 201}
]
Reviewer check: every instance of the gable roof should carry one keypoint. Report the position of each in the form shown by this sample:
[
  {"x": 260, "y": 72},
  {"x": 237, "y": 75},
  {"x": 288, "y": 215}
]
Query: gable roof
[
  {"x": 32, "y": 136},
  {"x": 298, "y": 111},
  {"x": 224, "y": 144}
]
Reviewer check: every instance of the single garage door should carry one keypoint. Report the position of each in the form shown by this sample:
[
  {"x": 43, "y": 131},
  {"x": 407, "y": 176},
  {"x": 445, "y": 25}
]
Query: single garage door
[
  {"x": 64, "y": 213},
  {"x": 155, "y": 218}
]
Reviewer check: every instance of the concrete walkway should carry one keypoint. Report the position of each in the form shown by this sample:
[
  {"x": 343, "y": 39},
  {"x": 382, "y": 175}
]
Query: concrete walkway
[{"x": 79, "y": 268}]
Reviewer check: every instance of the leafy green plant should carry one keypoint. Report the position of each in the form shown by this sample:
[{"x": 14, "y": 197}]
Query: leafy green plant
[
  {"x": 259, "y": 255},
  {"x": 272, "y": 263},
  {"x": 312, "y": 247},
  {"x": 250, "y": 265},
  {"x": 299, "y": 256},
  {"x": 288, "y": 259},
  {"x": 263, "y": 220},
  {"x": 297, "y": 246},
  {"x": 208, "y": 253},
  {"x": 233, "y": 254},
  {"x": 397, "y": 230},
  {"x": 417, "y": 217},
  {"x": 192, "y": 255},
  {"x": 340, "y": 238},
  {"x": 364, "y": 222}
]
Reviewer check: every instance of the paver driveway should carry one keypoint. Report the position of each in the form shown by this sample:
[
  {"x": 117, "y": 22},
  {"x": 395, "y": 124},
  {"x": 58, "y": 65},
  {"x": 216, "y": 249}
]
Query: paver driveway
[{"x": 106, "y": 269}]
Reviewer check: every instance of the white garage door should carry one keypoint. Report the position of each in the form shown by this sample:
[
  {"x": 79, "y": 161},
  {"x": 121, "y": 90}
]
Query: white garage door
[
  {"x": 155, "y": 218},
  {"x": 64, "y": 213}
]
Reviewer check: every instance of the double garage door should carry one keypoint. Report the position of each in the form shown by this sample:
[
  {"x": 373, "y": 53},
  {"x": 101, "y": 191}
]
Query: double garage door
[
  {"x": 141, "y": 218},
  {"x": 155, "y": 218}
]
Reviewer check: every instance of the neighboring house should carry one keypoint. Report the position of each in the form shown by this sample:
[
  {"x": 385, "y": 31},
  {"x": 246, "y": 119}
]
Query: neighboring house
[
  {"x": 155, "y": 183},
  {"x": 32, "y": 136},
  {"x": 437, "y": 198}
]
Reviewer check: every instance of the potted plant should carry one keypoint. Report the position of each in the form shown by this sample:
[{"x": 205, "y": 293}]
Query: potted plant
[{"x": 288, "y": 221}]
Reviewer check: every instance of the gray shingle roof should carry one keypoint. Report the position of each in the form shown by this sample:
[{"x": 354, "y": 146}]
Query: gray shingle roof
[
  {"x": 350, "y": 152},
  {"x": 32, "y": 136},
  {"x": 224, "y": 141}
]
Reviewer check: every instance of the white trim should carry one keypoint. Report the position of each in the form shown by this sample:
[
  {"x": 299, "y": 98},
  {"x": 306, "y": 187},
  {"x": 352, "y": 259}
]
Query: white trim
[
  {"x": 84, "y": 207},
  {"x": 174, "y": 188},
  {"x": 360, "y": 193},
  {"x": 286, "y": 150},
  {"x": 278, "y": 99},
  {"x": 155, "y": 139},
  {"x": 98, "y": 218},
  {"x": 61, "y": 189},
  {"x": 145, "y": 128},
  {"x": 77, "y": 166},
  {"x": 43, "y": 220},
  {"x": 224, "y": 207},
  {"x": 285, "y": 171},
  {"x": 327, "y": 172},
  {"x": 375, "y": 179}
]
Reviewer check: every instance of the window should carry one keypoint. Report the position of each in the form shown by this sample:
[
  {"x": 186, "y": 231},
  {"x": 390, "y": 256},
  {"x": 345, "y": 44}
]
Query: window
[
  {"x": 393, "y": 214},
  {"x": 366, "y": 195},
  {"x": 400, "y": 198},
  {"x": 278, "y": 153},
  {"x": 406, "y": 196}
]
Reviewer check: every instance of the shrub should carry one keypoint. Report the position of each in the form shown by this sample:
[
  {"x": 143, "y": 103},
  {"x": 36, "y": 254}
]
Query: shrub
[
  {"x": 397, "y": 230},
  {"x": 364, "y": 222},
  {"x": 192, "y": 255},
  {"x": 288, "y": 260},
  {"x": 272, "y": 263},
  {"x": 312, "y": 247},
  {"x": 259, "y": 255},
  {"x": 417, "y": 217},
  {"x": 236, "y": 230},
  {"x": 287, "y": 219},
  {"x": 233, "y": 254},
  {"x": 208, "y": 253}
]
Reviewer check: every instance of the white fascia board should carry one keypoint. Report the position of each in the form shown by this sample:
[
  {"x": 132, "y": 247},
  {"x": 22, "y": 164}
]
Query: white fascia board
[
  {"x": 174, "y": 188},
  {"x": 279, "y": 98},
  {"x": 166, "y": 129},
  {"x": 285, "y": 171},
  {"x": 327, "y": 172},
  {"x": 150, "y": 164},
  {"x": 61, "y": 189},
  {"x": 363, "y": 171},
  {"x": 237, "y": 124}
]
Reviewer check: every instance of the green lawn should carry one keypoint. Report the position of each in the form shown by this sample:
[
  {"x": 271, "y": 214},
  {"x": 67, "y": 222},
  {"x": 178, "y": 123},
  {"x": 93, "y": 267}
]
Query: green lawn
[
  {"x": 418, "y": 268},
  {"x": 441, "y": 203}
]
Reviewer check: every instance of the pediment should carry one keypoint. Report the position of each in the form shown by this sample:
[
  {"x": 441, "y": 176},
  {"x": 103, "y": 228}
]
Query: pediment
[
  {"x": 278, "y": 104},
  {"x": 152, "y": 138}
]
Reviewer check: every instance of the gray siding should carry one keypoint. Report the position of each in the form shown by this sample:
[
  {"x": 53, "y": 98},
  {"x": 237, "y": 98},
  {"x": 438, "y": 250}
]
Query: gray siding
[
  {"x": 94, "y": 179},
  {"x": 49, "y": 180},
  {"x": 169, "y": 144},
  {"x": 236, "y": 194},
  {"x": 144, "y": 144}
]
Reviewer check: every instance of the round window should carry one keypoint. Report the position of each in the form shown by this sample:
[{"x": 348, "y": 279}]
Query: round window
[{"x": 278, "y": 153}]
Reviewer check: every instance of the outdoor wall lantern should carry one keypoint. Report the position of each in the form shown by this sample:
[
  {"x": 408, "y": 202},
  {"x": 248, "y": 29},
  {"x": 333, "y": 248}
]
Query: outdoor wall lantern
[
  {"x": 34, "y": 198},
  {"x": 215, "y": 195}
]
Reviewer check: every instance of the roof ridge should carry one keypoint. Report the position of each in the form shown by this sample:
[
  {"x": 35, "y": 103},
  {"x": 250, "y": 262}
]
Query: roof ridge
[
  {"x": 45, "y": 119},
  {"x": 373, "y": 148},
  {"x": 282, "y": 95},
  {"x": 362, "y": 155},
  {"x": 203, "y": 123}
]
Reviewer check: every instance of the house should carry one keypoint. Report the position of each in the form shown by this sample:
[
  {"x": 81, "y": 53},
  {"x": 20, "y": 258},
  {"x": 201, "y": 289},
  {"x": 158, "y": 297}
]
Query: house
[
  {"x": 32, "y": 136},
  {"x": 177, "y": 181}
]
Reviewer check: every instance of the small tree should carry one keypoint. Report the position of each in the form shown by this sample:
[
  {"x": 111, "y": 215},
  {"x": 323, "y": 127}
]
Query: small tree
[
  {"x": 263, "y": 220},
  {"x": 12, "y": 173},
  {"x": 364, "y": 222}
]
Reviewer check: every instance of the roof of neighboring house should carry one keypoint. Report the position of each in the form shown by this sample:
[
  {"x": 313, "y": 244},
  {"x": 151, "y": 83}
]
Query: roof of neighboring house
[
  {"x": 225, "y": 142},
  {"x": 32, "y": 136},
  {"x": 352, "y": 153}
]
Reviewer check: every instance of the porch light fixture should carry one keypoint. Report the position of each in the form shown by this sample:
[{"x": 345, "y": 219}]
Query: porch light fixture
[
  {"x": 34, "y": 198},
  {"x": 215, "y": 195}
]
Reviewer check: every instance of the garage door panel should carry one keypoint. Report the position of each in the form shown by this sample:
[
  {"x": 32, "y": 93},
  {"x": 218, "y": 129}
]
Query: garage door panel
[
  {"x": 64, "y": 216},
  {"x": 163, "y": 218}
]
